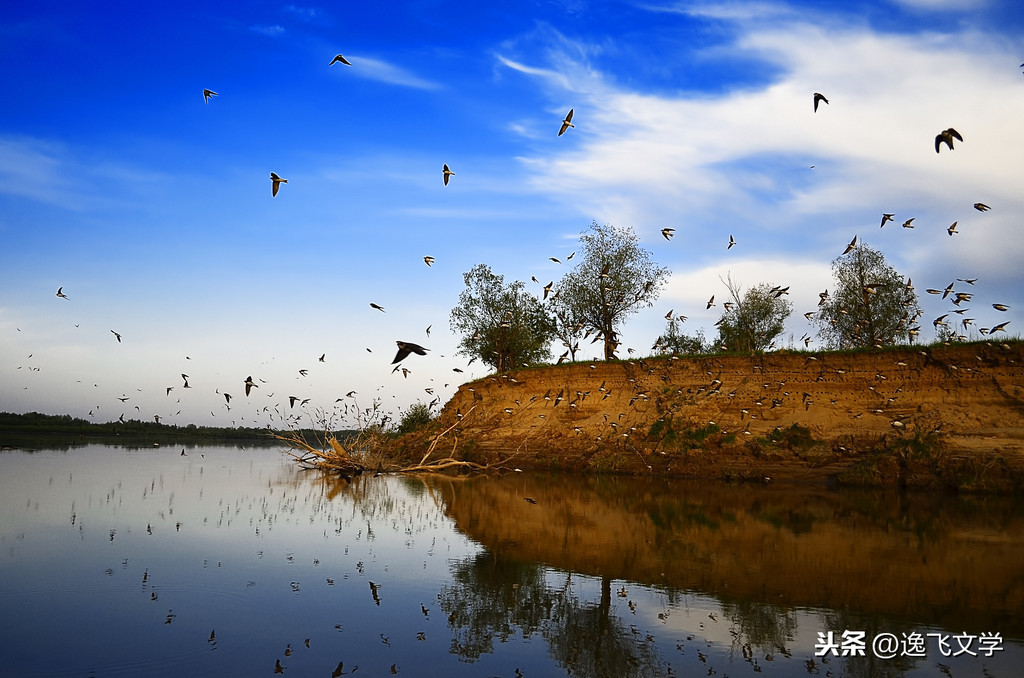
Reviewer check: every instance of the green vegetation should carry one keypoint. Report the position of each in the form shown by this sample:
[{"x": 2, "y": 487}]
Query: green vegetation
[
  {"x": 64, "y": 424},
  {"x": 675, "y": 342},
  {"x": 614, "y": 278},
  {"x": 501, "y": 324},
  {"x": 871, "y": 305},
  {"x": 752, "y": 320},
  {"x": 671, "y": 438},
  {"x": 414, "y": 418}
]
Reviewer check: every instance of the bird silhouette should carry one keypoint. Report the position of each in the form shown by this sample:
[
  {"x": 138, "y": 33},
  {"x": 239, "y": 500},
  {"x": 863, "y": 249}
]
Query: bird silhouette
[
  {"x": 731, "y": 243},
  {"x": 981, "y": 207},
  {"x": 668, "y": 233},
  {"x": 249, "y": 385},
  {"x": 116, "y": 335},
  {"x": 379, "y": 308},
  {"x": 818, "y": 96},
  {"x": 277, "y": 183},
  {"x": 909, "y": 223},
  {"x": 429, "y": 261},
  {"x": 885, "y": 218},
  {"x": 340, "y": 60},
  {"x": 405, "y": 348},
  {"x": 447, "y": 173},
  {"x": 952, "y": 228},
  {"x": 946, "y": 136},
  {"x": 207, "y": 93},
  {"x": 60, "y": 293},
  {"x": 852, "y": 246},
  {"x": 566, "y": 123}
]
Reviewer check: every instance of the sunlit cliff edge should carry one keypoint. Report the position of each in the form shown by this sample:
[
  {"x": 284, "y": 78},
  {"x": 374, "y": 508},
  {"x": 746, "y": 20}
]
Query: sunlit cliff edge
[{"x": 945, "y": 415}]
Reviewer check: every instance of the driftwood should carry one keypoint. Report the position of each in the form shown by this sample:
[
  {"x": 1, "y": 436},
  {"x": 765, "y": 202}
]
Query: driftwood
[{"x": 374, "y": 450}]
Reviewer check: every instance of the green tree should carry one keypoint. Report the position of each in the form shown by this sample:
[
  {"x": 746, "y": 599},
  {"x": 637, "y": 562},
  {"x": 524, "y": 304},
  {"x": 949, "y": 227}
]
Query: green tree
[
  {"x": 417, "y": 416},
  {"x": 614, "y": 278},
  {"x": 675, "y": 342},
  {"x": 501, "y": 324},
  {"x": 753, "y": 319},
  {"x": 871, "y": 304},
  {"x": 569, "y": 325}
]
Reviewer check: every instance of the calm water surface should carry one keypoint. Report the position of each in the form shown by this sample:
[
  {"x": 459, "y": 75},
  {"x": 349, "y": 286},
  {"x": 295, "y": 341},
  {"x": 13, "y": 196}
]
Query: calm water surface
[{"x": 232, "y": 562}]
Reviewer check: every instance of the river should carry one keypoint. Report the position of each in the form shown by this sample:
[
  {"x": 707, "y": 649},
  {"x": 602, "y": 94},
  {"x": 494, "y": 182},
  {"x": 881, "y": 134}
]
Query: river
[{"x": 225, "y": 561}]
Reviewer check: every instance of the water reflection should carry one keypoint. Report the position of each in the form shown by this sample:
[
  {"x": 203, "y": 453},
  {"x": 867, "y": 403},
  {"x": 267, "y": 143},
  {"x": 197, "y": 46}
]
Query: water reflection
[
  {"x": 233, "y": 562},
  {"x": 943, "y": 560}
]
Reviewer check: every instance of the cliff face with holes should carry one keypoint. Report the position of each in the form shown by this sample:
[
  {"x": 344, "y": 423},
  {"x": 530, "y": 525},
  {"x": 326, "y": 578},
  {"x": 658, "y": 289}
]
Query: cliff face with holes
[{"x": 731, "y": 415}]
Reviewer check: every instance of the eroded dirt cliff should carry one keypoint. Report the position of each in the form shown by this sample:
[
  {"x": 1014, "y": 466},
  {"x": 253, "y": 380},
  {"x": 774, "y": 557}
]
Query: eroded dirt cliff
[{"x": 942, "y": 411}]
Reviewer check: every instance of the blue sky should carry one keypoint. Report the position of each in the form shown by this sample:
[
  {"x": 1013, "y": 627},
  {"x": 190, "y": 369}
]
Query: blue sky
[{"x": 153, "y": 210}]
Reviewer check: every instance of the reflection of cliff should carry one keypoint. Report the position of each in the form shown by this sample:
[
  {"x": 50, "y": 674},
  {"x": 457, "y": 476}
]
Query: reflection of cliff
[
  {"x": 974, "y": 392},
  {"x": 951, "y": 562}
]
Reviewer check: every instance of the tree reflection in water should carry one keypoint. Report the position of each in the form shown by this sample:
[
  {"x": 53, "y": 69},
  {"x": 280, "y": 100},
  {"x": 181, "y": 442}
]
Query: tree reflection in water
[{"x": 493, "y": 598}]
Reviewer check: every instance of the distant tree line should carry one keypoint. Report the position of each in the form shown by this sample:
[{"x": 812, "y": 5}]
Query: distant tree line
[{"x": 34, "y": 422}]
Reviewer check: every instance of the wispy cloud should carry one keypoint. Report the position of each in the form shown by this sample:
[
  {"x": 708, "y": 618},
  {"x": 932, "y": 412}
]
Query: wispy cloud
[
  {"x": 57, "y": 174},
  {"x": 943, "y": 5},
  {"x": 741, "y": 161},
  {"x": 305, "y": 13},
  {"x": 382, "y": 71},
  {"x": 272, "y": 31},
  {"x": 36, "y": 170},
  {"x": 732, "y": 11}
]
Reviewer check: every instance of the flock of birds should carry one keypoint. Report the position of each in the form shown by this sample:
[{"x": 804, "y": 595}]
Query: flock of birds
[{"x": 407, "y": 348}]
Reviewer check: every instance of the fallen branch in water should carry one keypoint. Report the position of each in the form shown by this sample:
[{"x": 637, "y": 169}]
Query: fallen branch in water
[{"x": 373, "y": 450}]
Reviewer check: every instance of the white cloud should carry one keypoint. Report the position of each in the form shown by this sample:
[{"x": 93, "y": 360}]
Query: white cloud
[
  {"x": 376, "y": 69},
  {"x": 943, "y": 5},
  {"x": 272, "y": 31},
  {"x": 739, "y": 162}
]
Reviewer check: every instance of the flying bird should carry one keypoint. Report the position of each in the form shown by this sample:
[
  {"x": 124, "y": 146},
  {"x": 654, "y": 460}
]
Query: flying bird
[
  {"x": 852, "y": 246},
  {"x": 447, "y": 173},
  {"x": 885, "y": 218},
  {"x": 60, "y": 292},
  {"x": 277, "y": 183},
  {"x": 711, "y": 301},
  {"x": 668, "y": 233},
  {"x": 946, "y": 136},
  {"x": 981, "y": 207},
  {"x": 405, "y": 348},
  {"x": 818, "y": 96},
  {"x": 249, "y": 385},
  {"x": 322, "y": 356},
  {"x": 952, "y": 228},
  {"x": 116, "y": 335},
  {"x": 207, "y": 93},
  {"x": 429, "y": 261},
  {"x": 731, "y": 243},
  {"x": 379, "y": 308},
  {"x": 909, "y": 223},
  {"x": 566, "y": 123},
  {"x": 339, "y": 60},
  {"x": 1000, "y": 307}
]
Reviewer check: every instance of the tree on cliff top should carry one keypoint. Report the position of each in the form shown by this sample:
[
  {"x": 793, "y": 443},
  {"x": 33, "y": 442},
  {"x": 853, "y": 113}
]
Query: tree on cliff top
[
  {"x": 502, "y": 324},
  {"x": 753, "y": 319},
  {"x": 871, "y": 304},
  {"x": 614, "y": 278}
]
